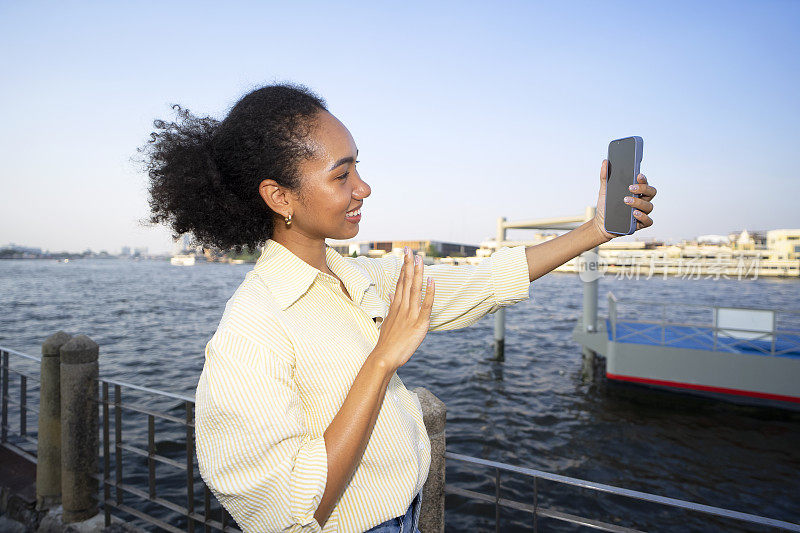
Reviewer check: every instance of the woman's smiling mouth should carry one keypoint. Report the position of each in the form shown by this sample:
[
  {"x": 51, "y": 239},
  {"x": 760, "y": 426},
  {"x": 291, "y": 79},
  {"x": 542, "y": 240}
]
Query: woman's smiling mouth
[{"x": 353, "y": 216}]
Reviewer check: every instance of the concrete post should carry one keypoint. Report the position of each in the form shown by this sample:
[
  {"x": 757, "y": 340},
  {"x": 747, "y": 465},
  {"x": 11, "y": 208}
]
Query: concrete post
[
  {"x": 48, "y": 456},
  {"x": 80, "y": 441},
  {"x": 500, "y": 314},
  {"x": 433, "y": 414},
  {"x": 500, "y": 334},
  {"x": 591, "y": 282},
  {"x": 590, "y": 298}
]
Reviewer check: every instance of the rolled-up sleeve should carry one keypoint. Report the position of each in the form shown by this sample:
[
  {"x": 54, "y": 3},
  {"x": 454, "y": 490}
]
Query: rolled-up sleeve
[
  {"x": 464, "y": 293},
  {"x": 253, "y": 447}
]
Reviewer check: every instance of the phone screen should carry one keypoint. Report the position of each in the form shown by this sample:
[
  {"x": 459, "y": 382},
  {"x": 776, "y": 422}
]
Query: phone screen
[{"x": 621, "y": 166}]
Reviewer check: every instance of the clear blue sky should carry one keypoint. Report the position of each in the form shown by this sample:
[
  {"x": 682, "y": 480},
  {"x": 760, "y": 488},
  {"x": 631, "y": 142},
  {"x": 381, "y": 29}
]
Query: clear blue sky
[{"x": 462, "y": 111}]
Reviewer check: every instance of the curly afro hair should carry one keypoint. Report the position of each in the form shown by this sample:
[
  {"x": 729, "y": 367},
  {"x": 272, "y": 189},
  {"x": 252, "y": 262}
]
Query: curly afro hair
[{"x": 204, "y": 174}]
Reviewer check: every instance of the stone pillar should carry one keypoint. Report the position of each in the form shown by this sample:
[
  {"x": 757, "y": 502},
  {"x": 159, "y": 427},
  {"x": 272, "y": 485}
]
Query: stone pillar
[
  {"x": 80, "y": 441},
  {"x": 433, "y": 413},
  {"x": 48, "y": 455}
]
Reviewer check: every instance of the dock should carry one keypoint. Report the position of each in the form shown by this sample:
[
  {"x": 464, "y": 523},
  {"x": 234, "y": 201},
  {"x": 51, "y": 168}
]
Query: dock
[{"x": 740, "y": 355}]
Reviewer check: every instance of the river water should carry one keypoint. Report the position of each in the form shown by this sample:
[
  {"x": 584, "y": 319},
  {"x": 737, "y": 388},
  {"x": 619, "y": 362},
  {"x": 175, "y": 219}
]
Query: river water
[{"x": 152, "y": 321}]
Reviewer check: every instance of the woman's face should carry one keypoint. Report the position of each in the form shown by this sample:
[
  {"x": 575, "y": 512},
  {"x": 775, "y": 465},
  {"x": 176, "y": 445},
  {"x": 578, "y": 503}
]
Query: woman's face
[{"x": 330, "y": 184}]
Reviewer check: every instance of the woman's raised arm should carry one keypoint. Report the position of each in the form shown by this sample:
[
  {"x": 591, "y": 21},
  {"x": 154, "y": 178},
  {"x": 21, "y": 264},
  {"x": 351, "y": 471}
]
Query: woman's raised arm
[
  {"x": 553, "y": 253},
  {"x": 544, "y": 257}
]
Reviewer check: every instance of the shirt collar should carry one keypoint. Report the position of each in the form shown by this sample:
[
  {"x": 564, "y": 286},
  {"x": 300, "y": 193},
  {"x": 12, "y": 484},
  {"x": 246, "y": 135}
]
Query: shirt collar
[{"x": 288, "y": 277}]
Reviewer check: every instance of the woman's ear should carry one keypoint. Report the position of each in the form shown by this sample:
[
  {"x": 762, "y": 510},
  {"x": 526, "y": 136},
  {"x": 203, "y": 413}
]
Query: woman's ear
[{"x": 275, "y": 196}]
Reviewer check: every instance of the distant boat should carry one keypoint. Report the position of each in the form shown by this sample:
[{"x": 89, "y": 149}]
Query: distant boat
[
  {"x": 741, "y": 355},
  {"x": 182, "y": 260}
]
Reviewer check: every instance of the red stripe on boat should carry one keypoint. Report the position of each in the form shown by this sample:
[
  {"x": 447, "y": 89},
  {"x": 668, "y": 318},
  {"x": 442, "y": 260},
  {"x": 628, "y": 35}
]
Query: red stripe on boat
[{"x": 707, "y": 388}]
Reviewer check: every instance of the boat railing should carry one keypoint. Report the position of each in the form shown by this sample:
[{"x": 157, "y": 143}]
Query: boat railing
[
  {"x": 723, "y": 332},
  {"x": 152, "y": 497}
]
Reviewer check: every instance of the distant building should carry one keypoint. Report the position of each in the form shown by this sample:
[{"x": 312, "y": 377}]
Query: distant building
[
  {"x": 28, "y": 250},
  {"x": 762, "y": 253},
  {"x": 744, "y": 242},
  {"x": 126, "y": 251},
  {"x": 422, "y": 247},
  {"x": 713, "y": 239},
  {"x": 784, "y": 243},
  {"x": 488, "y": 247},
  {"x": 14, "y": 251},
  {"x": 746, "y": 239}
]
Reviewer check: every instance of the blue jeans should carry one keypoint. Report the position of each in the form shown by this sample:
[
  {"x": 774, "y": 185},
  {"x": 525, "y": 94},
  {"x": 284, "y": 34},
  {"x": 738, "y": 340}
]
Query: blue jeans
[{"x": 402, "y": 524}]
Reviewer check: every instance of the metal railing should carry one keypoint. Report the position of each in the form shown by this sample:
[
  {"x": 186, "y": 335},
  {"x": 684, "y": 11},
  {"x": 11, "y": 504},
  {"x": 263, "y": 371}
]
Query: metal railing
[
  {"x": 537, "y": 510},
  {"x": 17, "y": 437},
  {"x": 150, "y": 506},
  {"x": 707, "y": 335},
  {"x": 154, "y": 509},
  {"x": 186, "y": 465}
]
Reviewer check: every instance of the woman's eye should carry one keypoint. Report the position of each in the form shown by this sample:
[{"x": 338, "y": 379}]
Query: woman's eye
[{"x": 344, "y": 176}]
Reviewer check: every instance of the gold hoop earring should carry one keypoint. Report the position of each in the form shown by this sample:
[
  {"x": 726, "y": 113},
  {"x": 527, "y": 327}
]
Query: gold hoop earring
[{"x": 288, "y": 220}]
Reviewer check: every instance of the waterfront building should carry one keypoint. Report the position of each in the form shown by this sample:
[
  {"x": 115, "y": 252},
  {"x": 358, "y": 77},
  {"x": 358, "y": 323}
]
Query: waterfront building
[
  {"x": 745, "y": 242},
  {"x": 739, "y": 255},
  {"x": 745, "y": 254},
  {"x": 15, "y": 251},
  {"x": 784, "y": 243},
  {"x": 426, "y": 248}
]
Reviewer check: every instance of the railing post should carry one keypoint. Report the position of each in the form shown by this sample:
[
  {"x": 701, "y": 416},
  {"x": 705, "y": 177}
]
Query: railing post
[
  {"x": 433, "y": 414},
  {"x": 774, "y": 333},
  {"x": 79, "y": 425},
  {"x": 48, "y": 455},
  {"x": 612, "y": 315}
]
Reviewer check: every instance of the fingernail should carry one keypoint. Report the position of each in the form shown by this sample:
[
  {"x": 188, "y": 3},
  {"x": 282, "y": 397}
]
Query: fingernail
[
  {"x": 406, "y": 250},
  {"x": 628, "y": 199},
  {"x": 637, "y": 213},
  {"x": 418, "y": 260},
  {"x": 632, "y": 187},
  {"x": 430, "y": 280}
]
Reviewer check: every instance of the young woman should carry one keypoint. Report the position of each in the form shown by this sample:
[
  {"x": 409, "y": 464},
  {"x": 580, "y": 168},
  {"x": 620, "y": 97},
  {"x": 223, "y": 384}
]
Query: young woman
[{"x": 302, "y": 423}]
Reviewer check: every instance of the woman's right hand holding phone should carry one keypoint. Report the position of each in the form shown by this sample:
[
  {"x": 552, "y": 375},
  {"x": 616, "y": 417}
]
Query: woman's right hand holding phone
[{"x": 407, "y": 322}]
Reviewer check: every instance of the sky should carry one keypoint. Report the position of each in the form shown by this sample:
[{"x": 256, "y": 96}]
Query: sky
[{"x": 462, "y": 112}]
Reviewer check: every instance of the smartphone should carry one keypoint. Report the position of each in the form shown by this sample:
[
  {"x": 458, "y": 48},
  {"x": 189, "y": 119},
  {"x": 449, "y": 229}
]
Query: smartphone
[{"x": 624, "y": 159}]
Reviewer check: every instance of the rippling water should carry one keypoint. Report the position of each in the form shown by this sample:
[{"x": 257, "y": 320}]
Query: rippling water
[{"x": 152, "y": 321}]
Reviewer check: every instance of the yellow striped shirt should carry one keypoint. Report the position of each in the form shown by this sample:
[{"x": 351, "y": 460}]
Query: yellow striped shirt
[{"x": 288, "y": 347}]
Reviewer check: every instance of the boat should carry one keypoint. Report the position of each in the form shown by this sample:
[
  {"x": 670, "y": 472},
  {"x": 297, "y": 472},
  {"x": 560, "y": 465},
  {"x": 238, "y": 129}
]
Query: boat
[
  {"x": 182, "y": 260},
  {"x": 735, "y": 354}
]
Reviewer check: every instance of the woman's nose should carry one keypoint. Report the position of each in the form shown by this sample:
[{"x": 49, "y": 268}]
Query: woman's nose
[{"x": 363, "y": 190}]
